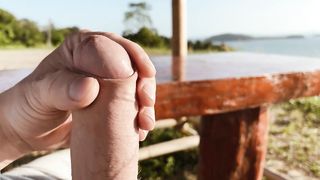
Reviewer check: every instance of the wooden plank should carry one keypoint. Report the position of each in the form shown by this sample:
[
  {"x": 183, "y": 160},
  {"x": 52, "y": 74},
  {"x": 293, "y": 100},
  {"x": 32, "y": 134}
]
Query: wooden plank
[
  {"x": 233, "y": 145},
  {"x": 217, "y": 96},
  {"x": 179, "y": 42},
  {"x": 166, "y": 123},
  {"x": 273, "y": 175},
  {"x": 168, "y": 147}
]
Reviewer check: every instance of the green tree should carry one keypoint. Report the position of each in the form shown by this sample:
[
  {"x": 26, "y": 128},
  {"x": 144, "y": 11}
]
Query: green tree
[
  {"x": 6, "y": 17},
  {"x": 6, "y": 30},
  {"x": 27, "y": 33},
  {"x": 148, "y": 38},
  {"x": 58, "y": 35},
  {"x": 137, "y": 17}
]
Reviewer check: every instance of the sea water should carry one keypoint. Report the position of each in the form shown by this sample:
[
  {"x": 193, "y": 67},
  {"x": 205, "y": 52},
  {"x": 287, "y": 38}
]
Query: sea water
[{"x": 309, "y": 47}]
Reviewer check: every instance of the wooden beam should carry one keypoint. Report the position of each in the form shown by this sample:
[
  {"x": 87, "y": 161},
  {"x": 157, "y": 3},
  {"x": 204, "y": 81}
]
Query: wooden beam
[
  {"x": 165, "y": 123},
  {"x": 233, "y": 145},
  {"x": 168, "y": 147},
  {"x": 179, "y": 42}
]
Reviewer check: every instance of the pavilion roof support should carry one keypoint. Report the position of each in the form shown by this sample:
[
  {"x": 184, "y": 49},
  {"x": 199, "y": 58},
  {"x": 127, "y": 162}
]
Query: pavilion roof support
[{"x": 179, "y": 40}]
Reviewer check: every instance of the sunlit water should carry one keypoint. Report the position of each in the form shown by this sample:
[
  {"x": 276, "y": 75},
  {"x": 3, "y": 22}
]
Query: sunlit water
[{"x": 309, "y": 47}]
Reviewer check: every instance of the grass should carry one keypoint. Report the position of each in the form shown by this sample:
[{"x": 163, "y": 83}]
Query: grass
[{"x": 294, "y": 136}]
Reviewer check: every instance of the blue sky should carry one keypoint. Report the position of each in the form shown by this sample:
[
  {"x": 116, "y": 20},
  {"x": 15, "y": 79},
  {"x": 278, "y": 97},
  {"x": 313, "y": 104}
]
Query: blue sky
[{"x": 205, "y": 17}]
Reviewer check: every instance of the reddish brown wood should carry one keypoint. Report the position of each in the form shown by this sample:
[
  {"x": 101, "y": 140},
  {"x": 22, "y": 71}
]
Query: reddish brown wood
[
  {"x": 178, "y": 68},
  {"x": 178, "y": 99},
  {"x": 233, "y": 145},
  {"x": 179, "y": 42}
]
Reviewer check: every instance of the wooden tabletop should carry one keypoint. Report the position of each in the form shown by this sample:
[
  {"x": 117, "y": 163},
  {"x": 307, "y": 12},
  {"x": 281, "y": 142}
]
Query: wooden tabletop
[
  {"x": 221, "y": 82},
  {"x": 234, "y": 65}
]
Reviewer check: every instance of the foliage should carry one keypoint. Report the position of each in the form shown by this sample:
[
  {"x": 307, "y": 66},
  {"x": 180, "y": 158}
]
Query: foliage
[
  {"x": 137, "y": 17},
  {"x": 26, "y": 33},
  {"x": 7, "y": 20},
  {"x": 58, "y": 35},
  {"x": 206, "y": 45},
  {"x": 148, "y": 38},
  {"x": 310, "y": 107},
  {"x": 170, "y": 166},
  {"x": 6, "y": 17}
]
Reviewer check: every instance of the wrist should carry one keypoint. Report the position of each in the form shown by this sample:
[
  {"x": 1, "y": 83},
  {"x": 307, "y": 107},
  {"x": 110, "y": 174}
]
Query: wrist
[{"x": 9, "y": 148}]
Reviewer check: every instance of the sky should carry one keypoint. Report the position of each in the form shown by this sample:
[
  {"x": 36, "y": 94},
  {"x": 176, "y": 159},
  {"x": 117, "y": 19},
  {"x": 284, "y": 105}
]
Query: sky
[{"x": 204, "y": 17}]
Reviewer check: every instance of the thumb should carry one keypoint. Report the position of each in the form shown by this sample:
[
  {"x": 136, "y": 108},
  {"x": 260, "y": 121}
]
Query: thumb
[{"x": 66, "y": 90}]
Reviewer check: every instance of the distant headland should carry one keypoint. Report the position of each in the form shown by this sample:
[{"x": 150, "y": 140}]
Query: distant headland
[{"x": 242, "y": 37}]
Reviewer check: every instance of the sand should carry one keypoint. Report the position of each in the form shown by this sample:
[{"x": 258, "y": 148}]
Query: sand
[{"x": 22, "y": 58}]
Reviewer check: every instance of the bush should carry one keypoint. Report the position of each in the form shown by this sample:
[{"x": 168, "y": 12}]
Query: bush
[
  {"x": 27, "y": 33},
  {"x": 58, "y": 35},
  {"x": 6, "y": 17},
  {"x": 207, "y": 46},
  {"x": 148, "y": 38},
  {"x": 6, "y": 30},
  {"x": 13, "y": 31}
]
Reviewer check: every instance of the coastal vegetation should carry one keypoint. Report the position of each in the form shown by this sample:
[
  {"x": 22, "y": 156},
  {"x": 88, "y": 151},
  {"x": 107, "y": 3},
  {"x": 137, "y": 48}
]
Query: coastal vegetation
[{"x": 26, "y": 33}]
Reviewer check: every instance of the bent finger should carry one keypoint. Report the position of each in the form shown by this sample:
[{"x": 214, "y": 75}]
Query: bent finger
[{"x": 65, "y": 90}]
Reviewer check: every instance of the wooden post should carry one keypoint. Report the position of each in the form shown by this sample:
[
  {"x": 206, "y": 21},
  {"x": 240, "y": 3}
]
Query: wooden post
[
  {"x": 233, "y": 145},
  {"x": 179, "y": 42}
]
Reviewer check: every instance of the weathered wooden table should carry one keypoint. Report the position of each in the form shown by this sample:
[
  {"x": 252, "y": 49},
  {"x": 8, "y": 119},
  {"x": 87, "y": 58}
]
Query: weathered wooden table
[{"x": 231, "y": 91}]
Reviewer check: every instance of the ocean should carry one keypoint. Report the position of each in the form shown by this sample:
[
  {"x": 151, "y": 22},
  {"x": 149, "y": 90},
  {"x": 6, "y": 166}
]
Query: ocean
[{"x": 308, "y": 47}]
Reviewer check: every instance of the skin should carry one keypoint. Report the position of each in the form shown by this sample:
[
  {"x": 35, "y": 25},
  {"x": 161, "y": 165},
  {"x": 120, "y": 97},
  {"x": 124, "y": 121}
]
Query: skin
[
  {"x": 36, "y": 113},
  {"x": 105, "y": 139}
]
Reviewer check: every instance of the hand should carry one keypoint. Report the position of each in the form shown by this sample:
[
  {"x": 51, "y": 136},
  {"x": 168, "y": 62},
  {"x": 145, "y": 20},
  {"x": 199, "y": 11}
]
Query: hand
[{"x": 37, "y": 110}]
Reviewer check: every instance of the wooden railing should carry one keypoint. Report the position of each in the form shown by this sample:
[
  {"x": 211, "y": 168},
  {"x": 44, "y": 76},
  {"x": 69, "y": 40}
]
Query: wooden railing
[{"x": 231, "y": 91}]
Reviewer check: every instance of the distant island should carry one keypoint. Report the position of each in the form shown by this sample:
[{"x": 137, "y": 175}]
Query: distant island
[
  {"x": 230, "y": 37},
  {"x": 242, "y": 37},
  {"x": 295, "y": 37}
]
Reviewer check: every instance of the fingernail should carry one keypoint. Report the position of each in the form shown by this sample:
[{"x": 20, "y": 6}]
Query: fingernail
[
  {"x": 75, "y": 89},
  {"x": 149, "y": 91},
  {"x": 143, "y": 135},
  {"x": 149, "y": 112}
]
